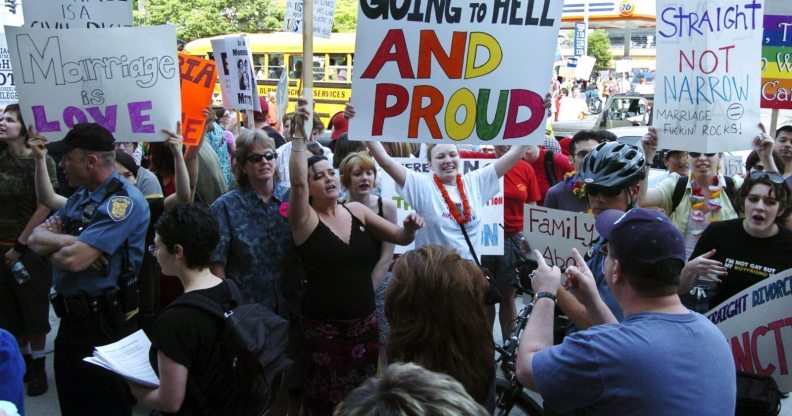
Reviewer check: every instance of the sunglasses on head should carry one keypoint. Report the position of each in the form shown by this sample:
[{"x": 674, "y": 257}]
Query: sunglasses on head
[
  {"x": 696, "y": 155},
  {"x": 595, "y": 190},
  {"x": 255, "y": 157},
  {"x": 773, "y": 177}
]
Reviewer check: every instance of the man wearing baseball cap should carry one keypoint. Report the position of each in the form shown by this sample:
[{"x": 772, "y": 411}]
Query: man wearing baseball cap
[
  {"x": 661, "y": 360},
  {"x": 95, "y": 242}
]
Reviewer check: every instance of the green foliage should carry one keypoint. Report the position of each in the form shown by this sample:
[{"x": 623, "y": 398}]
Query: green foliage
[
  {"x": 600, "y": 48},
  {"x": 345, "y": 16},
  {"x": 202, "y": 18}
]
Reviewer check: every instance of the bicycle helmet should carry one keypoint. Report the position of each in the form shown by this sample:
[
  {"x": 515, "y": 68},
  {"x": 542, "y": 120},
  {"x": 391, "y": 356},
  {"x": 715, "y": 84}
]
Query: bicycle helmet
[{"x": 613, "y": 165}]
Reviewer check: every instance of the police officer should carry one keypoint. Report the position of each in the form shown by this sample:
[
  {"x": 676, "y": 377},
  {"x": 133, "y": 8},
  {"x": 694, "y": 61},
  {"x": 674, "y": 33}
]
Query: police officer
[{"x": 95, "y": 243}]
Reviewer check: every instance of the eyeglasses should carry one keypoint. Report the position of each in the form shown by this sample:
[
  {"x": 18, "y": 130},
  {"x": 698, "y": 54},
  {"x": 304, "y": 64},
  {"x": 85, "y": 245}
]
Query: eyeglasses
[
  {"x": 581, "y": 154},
  {"x": 153, "y": 249},
  {"x": 605, "y": 191},
  {"x": 696, "y": 155},
  {"x": 773, "y": 177},
  {"x": 256, "y": 157}
]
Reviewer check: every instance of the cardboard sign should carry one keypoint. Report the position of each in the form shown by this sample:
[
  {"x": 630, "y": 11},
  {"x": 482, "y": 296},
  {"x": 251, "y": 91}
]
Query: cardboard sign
[
  {"x": 235, "y": 65},
  {"x": 197, "y": 83},
  {"x": 71, "y": 14},
  {"x": 579, "y": 48},
  {"x": 472, "y": 73},
  {"x": 707, "y": 92},
  {"x": 777, "y": 62},
  {"x": 733, "y": 165},
  {"x": 555, "y": 233},
  {"x": 8, "y": 93},
  {"x": 491, "y": 214},
  {"x": 323, "y": 17},
  {"x": 757, "y": 323},
  {"x": 65, "y": 77}
]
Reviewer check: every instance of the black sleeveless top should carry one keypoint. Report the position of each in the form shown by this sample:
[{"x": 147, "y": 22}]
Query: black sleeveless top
[{"x": 338, "y": 275}]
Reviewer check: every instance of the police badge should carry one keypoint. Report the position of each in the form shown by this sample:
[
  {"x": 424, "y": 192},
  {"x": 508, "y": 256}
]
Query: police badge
[{"x": 119, "y": 207}]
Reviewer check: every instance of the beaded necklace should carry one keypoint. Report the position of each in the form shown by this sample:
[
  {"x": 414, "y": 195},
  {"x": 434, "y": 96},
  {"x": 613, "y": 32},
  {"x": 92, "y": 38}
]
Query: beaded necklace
[{"x": 451, "y": 206}]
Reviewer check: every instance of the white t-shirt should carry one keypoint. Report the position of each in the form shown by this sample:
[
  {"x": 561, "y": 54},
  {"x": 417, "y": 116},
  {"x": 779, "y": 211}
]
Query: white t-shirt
[
  {"x": 570, "y": 108},
  {"x": 284, "y": 153},
  {"x": 440, "y": 227}
]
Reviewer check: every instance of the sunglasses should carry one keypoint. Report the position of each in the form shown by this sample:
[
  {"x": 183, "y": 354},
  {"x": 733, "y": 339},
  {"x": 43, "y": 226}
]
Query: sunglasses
[
  {"x": 594, "y": 190},
  {"x": 696, "y": 155},
  {"x": 255, "y": 157},
  {"x": 773, "y": 177}
]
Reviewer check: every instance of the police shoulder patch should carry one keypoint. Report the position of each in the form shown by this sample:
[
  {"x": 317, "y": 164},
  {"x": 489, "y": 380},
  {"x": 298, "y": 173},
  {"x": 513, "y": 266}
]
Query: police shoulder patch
[{"x": 119, "y": 207}]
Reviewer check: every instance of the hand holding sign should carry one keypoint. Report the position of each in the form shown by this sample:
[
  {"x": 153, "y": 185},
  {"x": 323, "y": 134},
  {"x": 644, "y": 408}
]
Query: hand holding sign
[
  {"x": 580, "y": 281},
  {"x": 649, "y": 143},
  {"x": 301, "y": 115}
]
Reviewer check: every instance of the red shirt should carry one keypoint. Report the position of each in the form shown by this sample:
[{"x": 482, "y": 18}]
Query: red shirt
[
  {"x": 519, "y": 187},
  {"x": 561, "y": 165}
]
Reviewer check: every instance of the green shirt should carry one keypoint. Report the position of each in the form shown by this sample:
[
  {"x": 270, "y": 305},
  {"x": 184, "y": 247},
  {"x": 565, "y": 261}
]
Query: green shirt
[
  {"x": 682, "y": 213},
  {"x": 18, "y": 193}
]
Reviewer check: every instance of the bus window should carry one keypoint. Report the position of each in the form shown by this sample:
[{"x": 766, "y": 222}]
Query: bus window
[
  {"x": 337, "y": 70},
  {"x": 295, "y": 67},
  {"x": 319, "y": 68},
  {"x": 258, "y": 65},
  {"x": 351, "y": 66},
  {"x": 274, "y": 65}
]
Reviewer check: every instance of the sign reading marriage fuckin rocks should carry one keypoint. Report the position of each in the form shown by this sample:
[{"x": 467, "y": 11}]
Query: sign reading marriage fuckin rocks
[
  {"x": 65, "y": 77},
  {"x": 456, "y": 71},
  {"x": 708, "y": 74}
]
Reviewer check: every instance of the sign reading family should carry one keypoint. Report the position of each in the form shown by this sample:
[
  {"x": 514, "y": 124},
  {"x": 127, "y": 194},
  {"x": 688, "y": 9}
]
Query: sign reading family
[
  {"x": 453, "y": 70},
  {"x": 707, "y": 92},
  {"x": 65, "y": 77},
  {"x": 77, "y": 14}
]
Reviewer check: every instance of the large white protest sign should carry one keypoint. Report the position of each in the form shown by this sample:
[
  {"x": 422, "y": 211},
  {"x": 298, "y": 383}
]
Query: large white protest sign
[
  {"x": 706, "y": 88},
  {"x": 235, "y": 66},
  {"x": 71, "y": 14},
  {"x": 491, "y": 214},
  {"x": 459, "y": 72},
  {"x": 64, "y": 77},
  {"x": 555, "y": 233},
  {"x": 323, "y": 17},
  {"x": 757, "y": 323},
  {"x": 8, "y": 93}
]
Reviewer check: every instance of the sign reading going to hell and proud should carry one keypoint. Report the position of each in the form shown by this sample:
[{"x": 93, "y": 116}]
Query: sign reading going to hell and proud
[
  {"x": 71, "y": 14},
  {"x": 65, "y": 77},
  {"x": 491, "y": 214},
  {"x": 323, "y": 17},
  {"x": 235, "y": 65},
  {"x": 8, "y": 93},
  {"x": 757, "y": 323},
  {"x": 454, "y": 71},
  {"x": 197, "y": 84},
  {"x": 555, "y": 233},
  {"x": 777, "y": 62},
  {"x": 706, "y": 89}
]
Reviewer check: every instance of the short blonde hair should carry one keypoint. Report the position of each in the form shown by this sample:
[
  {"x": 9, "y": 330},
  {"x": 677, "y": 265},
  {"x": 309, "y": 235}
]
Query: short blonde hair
[
  {"x": 351, "y": 160},
  {"x": 245, "y": 143}
]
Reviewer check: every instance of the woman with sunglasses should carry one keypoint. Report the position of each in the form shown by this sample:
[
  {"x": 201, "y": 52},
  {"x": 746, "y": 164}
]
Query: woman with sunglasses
[{"x": 738, "y": 253}]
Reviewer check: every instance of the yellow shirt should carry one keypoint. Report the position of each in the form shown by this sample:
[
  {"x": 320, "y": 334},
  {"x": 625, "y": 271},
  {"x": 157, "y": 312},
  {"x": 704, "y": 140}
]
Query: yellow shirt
[{"x": 681, "y": 215}]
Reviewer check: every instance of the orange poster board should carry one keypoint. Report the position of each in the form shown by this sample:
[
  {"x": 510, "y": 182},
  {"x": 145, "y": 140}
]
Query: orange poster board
[{"x": 198, "y": 77}]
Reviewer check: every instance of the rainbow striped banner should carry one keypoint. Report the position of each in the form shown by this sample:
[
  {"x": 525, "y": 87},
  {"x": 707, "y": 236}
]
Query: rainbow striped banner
[{"x": 777, "y": 62}]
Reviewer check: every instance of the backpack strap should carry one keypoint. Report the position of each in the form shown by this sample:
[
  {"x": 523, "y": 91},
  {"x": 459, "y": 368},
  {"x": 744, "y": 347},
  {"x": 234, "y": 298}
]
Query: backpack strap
[
  {"x": 730, "y": 190},
  {"x": 549, "y": 167},
  {"x": 679, "y": 191}
]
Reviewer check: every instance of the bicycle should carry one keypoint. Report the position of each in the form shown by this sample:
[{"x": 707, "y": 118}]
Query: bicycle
[{"x": 509, "y": 393}]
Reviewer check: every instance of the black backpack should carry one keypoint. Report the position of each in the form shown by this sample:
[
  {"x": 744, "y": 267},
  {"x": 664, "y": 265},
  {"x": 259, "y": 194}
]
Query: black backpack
[
  {"x": 757, "y": 395},
  {"x": 549, "y": 165},
  {"x": 679, "y": 191},
  {"x": 250, "y": 355}
]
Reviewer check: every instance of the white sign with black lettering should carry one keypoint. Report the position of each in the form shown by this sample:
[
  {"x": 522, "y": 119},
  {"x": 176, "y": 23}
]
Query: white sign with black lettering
[{"x": 74, "y": 14}]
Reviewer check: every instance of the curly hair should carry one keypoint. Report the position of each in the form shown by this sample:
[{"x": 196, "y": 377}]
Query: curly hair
[
  {"x": 435, "y": 306},
  {"x": 245, "y": 143},
  {"x": 193, "y": 227},
  {"x": 780, "y": 192}
]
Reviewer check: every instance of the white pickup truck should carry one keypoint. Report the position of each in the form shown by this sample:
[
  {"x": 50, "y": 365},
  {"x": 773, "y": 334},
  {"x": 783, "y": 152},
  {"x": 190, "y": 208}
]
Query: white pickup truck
[{"x": 621, "y": 110}]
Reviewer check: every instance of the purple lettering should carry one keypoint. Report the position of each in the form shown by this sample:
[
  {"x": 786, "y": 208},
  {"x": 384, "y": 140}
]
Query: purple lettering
[
  {"x": 137, "y": 118},
  {"x": 72, "y": 116},
  {"x": 107, "y": 120},
  {"x": 40, "y": 119}
]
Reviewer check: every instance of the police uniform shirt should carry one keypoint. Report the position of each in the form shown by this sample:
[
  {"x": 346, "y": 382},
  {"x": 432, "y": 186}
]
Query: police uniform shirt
[{"x": 123, "y": 216}]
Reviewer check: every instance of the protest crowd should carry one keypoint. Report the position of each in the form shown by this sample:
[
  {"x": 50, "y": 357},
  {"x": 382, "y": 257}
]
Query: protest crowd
[{"x": 260, "y": 255}]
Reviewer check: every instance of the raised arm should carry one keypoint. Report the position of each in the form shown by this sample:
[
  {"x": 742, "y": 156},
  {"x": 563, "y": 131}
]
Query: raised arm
[
  {"x": 649, "y": 198},
  {"x": 181, "y": 178},
  {"x": 377, "y": 151},
  {"x": 386, "y": 249},
  {"x": 302, "y": 218},
  {"x": 763, "y": 145},
  {"x": 504, "y": 163},
  {"x": 385, "y": 230},
  {"x": 45, "y": 194}
]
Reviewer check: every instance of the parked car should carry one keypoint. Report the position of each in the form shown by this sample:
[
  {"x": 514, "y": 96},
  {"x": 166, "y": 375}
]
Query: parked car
[{"x": 621, "y": 110}]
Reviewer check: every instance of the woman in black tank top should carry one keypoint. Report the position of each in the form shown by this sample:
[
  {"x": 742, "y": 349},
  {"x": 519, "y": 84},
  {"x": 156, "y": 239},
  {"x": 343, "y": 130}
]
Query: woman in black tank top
[{"x": 336, "y": 244}]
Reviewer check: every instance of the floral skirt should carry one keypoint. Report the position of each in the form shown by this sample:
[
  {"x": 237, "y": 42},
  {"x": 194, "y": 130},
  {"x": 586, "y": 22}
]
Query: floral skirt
[{"x": 338, "y": 356}]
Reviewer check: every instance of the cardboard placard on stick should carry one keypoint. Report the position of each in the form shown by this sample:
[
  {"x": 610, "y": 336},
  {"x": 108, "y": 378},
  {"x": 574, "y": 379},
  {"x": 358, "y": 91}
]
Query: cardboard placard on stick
[{"x": 197, "y": 84}]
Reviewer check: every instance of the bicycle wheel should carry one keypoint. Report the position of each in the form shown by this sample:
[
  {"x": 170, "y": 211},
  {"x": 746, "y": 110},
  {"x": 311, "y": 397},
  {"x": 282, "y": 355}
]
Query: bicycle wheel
[{"x": 519, "y": 404}]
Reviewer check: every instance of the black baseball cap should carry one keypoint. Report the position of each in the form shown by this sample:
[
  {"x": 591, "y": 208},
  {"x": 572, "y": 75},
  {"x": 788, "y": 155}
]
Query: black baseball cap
[{"x": 88, "y": 136}]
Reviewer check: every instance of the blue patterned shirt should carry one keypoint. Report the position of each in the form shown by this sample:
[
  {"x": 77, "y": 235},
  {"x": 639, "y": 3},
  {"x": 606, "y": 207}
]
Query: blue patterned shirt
[
  {"x": 216, "y": 138},
  {"x": 257, "y": 249}
]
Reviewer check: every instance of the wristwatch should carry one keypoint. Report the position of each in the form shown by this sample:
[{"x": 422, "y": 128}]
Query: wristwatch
[{"x": 540, "y": 295}]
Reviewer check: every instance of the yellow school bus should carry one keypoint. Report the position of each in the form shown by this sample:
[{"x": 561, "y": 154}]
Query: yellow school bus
[{"x": 274, "y": 53}]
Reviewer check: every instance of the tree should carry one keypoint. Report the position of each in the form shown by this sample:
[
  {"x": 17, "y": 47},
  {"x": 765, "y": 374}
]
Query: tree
[
  {"x": 202, "y": 18},
  {"x": 599, "y": 47},
  {"x": 345, "y": 16}
]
